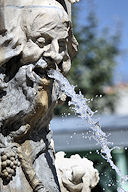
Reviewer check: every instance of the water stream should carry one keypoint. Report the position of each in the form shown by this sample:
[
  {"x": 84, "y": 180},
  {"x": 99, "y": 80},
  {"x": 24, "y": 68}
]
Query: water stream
[{"x": 79, "y": 105}]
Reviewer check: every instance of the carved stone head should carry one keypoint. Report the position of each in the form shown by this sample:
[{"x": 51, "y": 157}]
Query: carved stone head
[
  {"x": 40, "y": 29},
  {"x": 47, "y": 34},
  {"x": 35, "y": 36}
]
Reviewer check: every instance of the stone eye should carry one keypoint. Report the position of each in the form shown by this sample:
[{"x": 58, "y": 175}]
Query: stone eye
[
  {"x": 40, "y": 42},
  {"x": 62, "y": 45}
]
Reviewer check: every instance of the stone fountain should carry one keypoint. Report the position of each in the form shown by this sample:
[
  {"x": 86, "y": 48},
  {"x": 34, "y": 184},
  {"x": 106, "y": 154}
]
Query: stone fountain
[{"x": 35, "y": 36}]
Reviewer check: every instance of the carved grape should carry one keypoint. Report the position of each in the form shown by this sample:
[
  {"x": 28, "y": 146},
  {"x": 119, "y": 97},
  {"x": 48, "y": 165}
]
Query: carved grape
[
  {"x": 9, "y": 162},
  {"x": 4, "y": 158},
  {"x": 4, "y": 164},
  {"x": 12, "y": 159}
]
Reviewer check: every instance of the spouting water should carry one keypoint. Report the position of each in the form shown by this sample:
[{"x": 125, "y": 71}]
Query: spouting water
[{"x": 79, "y": 105}]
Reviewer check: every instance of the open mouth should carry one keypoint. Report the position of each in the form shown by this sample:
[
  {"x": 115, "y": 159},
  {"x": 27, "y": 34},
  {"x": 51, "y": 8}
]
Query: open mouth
[
  {"x": 38, "y": 72},
  {"x": 42, "y": 66}
]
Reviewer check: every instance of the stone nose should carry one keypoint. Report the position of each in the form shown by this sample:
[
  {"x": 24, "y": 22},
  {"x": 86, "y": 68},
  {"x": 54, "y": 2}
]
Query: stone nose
[{"x": 53, "y": 52}]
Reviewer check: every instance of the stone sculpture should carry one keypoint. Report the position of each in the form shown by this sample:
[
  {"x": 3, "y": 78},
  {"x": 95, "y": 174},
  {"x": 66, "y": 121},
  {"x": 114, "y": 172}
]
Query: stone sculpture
[
  {"x": 35, "y": 36},
  {"x": 75, "y": 174}
]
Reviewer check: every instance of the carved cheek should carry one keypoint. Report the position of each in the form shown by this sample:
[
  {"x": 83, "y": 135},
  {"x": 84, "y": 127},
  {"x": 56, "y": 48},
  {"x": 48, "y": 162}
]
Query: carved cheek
[
  {"x": 31, "y": 52},
  {"x": 66, "y": 65}
]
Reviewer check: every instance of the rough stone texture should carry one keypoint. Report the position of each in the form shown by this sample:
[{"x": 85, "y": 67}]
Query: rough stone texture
[
  {"x": 35, "y": 36},
  {"x": 75, "y": 174}
]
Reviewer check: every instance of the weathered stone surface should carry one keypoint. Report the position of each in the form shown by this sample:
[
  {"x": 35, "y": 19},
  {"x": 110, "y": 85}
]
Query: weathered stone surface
[
  {"x": 75, "y": 174},
  {"x": 35, "y": 36}
]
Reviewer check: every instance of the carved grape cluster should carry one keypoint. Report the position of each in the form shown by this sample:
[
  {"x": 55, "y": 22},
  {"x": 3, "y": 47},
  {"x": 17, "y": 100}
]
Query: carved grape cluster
[{"x": 9, "y": 162}]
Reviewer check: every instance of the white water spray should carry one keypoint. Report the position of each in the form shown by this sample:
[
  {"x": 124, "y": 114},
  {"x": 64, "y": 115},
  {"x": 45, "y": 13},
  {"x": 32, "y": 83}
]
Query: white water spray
[{"x": 81, "y": 108}]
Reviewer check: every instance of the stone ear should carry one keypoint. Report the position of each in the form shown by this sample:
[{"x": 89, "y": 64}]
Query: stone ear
[{"x": 72, "y": 43}]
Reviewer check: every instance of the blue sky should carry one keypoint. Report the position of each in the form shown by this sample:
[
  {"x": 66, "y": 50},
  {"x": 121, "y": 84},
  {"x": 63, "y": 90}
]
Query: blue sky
[{"x": 109, "y": 13}]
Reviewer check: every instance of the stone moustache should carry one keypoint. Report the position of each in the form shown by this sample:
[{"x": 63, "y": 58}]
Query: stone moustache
[{"x": 35, "y": 36}]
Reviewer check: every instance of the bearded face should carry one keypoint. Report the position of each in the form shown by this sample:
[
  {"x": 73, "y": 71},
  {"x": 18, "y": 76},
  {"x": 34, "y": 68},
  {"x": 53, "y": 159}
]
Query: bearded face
[
  {"x": 40, "y": 34},
  {"x": 36, "y": 29},
  {"x": 41, "y": 39},
  {"x": 47, "y": 36}
]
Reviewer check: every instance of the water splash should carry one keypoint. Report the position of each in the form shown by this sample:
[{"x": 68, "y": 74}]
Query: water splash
[{"x": 79, "y": 105}]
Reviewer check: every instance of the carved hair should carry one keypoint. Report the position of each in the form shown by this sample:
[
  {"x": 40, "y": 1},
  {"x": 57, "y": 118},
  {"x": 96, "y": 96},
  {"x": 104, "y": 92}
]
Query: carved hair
[{"x": 13, "y": 37}]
